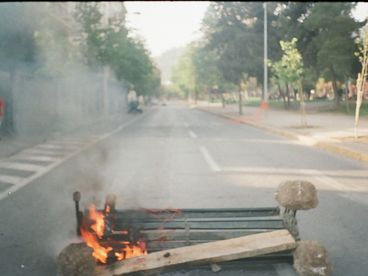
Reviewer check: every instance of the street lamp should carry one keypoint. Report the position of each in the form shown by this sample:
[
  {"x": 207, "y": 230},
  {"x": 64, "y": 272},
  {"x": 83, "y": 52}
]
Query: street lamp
[{"x": 265, "y": 71}]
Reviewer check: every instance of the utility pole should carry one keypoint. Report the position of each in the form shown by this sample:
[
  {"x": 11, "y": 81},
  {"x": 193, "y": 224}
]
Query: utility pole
[{"x": 265, "y": 71}]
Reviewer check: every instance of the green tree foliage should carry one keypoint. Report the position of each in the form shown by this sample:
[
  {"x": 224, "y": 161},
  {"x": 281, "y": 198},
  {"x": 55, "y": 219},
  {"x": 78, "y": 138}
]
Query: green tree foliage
[
  {"x": 326, "y": 33},
  {"x": 184, "y": 73},
  {"x": 207, "y": 72},
  {"x": 110, "y": 45},
  {"x": 197, "y": 72},
  {"x": 91, "y": 37},
  {"x": 234, "y": 30},
  {"x": 289, "y": 69},
  {"x": 334, "y": 41}
]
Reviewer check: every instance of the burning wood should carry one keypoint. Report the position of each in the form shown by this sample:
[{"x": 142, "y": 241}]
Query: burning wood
[
  {"x": 96, "y": 231},
  {"x": 218, "y": 251}
]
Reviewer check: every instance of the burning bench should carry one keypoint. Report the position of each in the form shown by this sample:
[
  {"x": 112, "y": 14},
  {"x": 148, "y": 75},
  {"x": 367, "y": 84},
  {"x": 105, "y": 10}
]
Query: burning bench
[{"x": 128, "y": 241}]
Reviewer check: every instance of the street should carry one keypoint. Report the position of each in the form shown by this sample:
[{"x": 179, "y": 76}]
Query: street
[{"x": 177, "y": 157}]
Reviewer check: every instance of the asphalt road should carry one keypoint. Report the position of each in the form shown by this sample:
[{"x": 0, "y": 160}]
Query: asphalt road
[{"x": 176, "y": 157}]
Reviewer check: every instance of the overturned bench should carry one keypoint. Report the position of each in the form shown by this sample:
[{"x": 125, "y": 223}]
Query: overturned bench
[{"x": 171, "y": 230}]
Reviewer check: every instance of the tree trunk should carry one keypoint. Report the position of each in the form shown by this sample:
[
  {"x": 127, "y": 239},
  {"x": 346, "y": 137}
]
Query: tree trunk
[
  {"x": 334, "y": 87},
  {"x": 302, "y": 104},
  {"x": 223, "y": 100},
  {"x": 347, "y": 84},
  {"x": 282, "y": 95},
  {"x": 288, "y": 95},
  {"x": 240, "y": 101}
]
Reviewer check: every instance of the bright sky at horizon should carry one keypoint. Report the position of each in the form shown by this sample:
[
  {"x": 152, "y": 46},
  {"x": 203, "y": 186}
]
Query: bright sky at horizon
[
  {"x": 166, "y": 24},
  {"x": 169, "y": 24}
]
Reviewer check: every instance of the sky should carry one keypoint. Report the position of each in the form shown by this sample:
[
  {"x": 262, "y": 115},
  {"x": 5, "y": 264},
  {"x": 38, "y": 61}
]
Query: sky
[
  {"x": 164, "y": 24},
  {"x": 169, "y": 24}
]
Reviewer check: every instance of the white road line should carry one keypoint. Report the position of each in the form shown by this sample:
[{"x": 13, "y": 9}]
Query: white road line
[
  {"x": 328, "y": 181},
  {"x": 311, "y": 172},
  {"x": 319, "y": 176},
  {"x": 56, "y": 147},
  {"x": 210, "y": 161},
  {"x": 256, "y": 141},
  {"x": 270, "y": 170},
  {"x": 332, "y": 183},
  {"x": 35, "y": 151},
  {"x": 11, "y": 179},
  {"x": 41, "y": 158},
  {"x": 284, "y": 269},
  {"x": 69, "y": 141},
  {"x": 192, "y": 134},
  {"x": 20, "y": 166},
  {"x": 26, "y": 181}
]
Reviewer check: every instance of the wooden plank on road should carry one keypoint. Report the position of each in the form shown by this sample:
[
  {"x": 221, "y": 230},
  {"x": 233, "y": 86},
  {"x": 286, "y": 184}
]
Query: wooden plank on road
[{"x": 218, "y": 251}]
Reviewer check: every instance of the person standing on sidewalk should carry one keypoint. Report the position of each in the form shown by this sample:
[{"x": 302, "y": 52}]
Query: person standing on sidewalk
[{"x": 132, "y": 101}]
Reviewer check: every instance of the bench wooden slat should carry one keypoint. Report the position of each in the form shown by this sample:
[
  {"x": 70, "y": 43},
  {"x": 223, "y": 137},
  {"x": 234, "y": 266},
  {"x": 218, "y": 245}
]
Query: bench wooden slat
[
  {"x": 198, "y": 213},
  {"x": 276, "y": 224},
  {"x": 198, "y": 234},
  {"x": 224, "y": 250}
]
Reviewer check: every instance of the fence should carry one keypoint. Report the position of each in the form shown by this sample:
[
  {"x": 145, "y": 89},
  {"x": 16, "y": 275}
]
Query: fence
[{"x": 44, "y": 105}]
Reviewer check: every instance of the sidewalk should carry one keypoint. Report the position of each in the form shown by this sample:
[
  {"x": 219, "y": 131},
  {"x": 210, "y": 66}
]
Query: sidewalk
[{"x": 332, "y": 132}]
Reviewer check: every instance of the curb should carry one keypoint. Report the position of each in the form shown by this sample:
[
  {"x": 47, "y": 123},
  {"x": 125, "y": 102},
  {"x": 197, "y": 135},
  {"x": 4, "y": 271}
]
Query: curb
[
  {"x": 331, "y": 148},
  {"x": 343, "y": 151}
]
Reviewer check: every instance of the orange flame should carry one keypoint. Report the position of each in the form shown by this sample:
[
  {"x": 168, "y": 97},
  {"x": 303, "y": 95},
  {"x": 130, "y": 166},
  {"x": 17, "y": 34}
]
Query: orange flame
[
  {"x": 93, "y": 237},
  {"x": 99, "y": 218},
  {"x": 99, "y": 252}
]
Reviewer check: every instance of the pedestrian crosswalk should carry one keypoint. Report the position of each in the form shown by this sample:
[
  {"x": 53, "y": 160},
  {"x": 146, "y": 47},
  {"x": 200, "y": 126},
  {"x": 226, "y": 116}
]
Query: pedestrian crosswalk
[
  {"x": 34, "y": 162},
  {"x": 20, "y": 166},
  {"x": 27, "y": 165}
]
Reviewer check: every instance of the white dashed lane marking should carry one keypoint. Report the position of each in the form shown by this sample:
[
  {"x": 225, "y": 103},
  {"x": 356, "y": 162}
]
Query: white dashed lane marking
[
  {"x": 210, "y": 161},
  {"x": 11, "y": 179},
  {"x": 29, "y": 157},
  {"x": 20, "y": 166},
  {"x": 192, "y": 134},
  {"x": 57, "y": 147},
  {"x": 46, "y": 153}
]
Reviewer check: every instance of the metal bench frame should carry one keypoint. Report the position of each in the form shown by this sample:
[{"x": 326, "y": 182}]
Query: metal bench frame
[{"x": 167, "y": 228}]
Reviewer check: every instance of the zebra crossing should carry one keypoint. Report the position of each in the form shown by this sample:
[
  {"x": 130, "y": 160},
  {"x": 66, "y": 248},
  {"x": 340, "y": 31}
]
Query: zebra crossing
[
  {"x": 20, "y": 169},
  {"x": 24, "y": 167}
]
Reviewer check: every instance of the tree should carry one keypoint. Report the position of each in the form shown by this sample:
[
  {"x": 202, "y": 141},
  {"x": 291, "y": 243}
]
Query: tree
[
  {"x": 110, "y": 45},
  {"x": 331, "y": 44},
  {"x": 197, "y": 71},
  {"x": 234, "y": 31},
  {"x": 288, "y": 70},
  {"x": 91, "y": 37},
  {"x": 183, "y": 76}
]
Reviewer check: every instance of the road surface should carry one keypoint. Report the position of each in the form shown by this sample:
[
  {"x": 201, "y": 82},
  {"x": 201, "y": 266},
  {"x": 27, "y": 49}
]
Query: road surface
[{"x": 178, "y": 157}]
